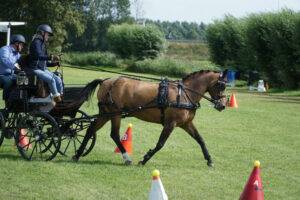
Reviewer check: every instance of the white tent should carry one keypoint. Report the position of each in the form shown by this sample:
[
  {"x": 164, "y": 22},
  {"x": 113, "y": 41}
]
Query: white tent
[{"x": 6, "y": 27}]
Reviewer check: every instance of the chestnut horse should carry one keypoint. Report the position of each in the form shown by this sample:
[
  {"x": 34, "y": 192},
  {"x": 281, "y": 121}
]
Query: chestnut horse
[{"x": 123, "y": 96}]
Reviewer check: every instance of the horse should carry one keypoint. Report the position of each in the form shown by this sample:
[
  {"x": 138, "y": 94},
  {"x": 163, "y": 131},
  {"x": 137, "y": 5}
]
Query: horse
[{"x": 170, "y": 103}]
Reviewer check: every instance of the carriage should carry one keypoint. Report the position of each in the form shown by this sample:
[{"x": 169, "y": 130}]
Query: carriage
[{"x": 40, "y": 129}]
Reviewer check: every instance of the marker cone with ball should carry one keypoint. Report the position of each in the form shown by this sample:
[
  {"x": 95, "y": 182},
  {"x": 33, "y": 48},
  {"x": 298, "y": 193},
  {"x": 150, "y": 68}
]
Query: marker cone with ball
[
  {"x": 157, "y": 191},
  {"x": 253, "y": 189}
]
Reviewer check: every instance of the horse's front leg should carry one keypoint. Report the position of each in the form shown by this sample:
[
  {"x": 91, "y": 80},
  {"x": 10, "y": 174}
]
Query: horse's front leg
[
  {"x": 192, "y": 131},
  {"x": 167, "y": 130},
  {"x": 115, "y": 135},
  {"x": 96, "y": 125}
]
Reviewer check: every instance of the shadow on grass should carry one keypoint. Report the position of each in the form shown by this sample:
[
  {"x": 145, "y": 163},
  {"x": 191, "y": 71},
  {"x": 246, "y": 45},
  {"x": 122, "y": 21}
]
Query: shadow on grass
[
  {"x": 105, "y": 162},
  {"x": 280, "y": 99},
  {"x": 10, "y": 156},
  {"x": 89, "y": 162}
]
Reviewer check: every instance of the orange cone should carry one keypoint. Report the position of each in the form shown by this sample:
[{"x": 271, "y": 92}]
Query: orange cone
[
  {"x": 253, "y": 189},
  {"x": 126, "y": 140},
  {"x": 157, "y": 191},
  {"x": 233, "y": 102},
  {"x": 23, "y": 139}
]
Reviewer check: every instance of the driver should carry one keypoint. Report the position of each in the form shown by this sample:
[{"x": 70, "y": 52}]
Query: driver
[
  {"x": 9, "y": 57},
  {"x": 39, "y": 61}
]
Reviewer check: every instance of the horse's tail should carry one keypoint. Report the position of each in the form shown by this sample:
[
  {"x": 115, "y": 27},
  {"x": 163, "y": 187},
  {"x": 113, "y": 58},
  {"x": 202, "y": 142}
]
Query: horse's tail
[{"x": 88, "y": 91}]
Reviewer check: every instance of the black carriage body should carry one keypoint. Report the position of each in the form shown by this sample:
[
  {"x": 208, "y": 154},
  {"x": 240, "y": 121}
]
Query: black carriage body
[
  {"x": 68, "y": 107},
  {"x": 18, "y": 100},
  {"x": 64, "y": 127}
]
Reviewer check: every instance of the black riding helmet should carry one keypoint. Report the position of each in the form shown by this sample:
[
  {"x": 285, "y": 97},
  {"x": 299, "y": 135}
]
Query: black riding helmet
[
  {"x": 45, "y": 28},
  {"x": 18, "y": 38}
]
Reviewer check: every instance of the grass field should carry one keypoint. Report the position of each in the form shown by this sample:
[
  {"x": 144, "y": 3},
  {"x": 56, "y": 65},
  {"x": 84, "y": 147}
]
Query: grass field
[{"x": 264, "y": 127}]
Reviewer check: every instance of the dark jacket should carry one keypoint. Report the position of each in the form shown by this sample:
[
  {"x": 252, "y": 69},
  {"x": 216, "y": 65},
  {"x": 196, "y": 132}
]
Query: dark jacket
[{"x": 38, "y": 56}]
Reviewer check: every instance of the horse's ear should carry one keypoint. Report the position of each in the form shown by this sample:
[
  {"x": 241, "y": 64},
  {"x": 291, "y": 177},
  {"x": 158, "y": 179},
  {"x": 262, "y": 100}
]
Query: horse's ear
[{"x": 224, "y": 75}]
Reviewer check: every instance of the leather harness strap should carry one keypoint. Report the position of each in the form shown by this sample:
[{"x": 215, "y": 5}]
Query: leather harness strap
[{"x": 161, "y": 102}]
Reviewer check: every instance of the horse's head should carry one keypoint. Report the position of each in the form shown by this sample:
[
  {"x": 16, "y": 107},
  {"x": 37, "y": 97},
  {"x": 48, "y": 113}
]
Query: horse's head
[{"x": 217, "y": 89}]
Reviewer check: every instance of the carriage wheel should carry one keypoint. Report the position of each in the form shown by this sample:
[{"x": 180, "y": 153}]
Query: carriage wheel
[
  {"x": 38, "y": 136},
  {"x": 73, "y": 135},
  {"x": 2, "y": 126}
]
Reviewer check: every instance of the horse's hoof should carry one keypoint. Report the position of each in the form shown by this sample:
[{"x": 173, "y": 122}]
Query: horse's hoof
[
  {"x": 210, "y": 163},
  {"x": 128, "y": 162},
  {"x": 75, "y": 159}
]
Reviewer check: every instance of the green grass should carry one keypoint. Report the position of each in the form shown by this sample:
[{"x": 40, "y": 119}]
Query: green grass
[
  {"x": 170, "y": 66},
  {"x": 187, "y": 50},
  {"x": 91, "y": 58},
  {"x": 264, "y": 127}
]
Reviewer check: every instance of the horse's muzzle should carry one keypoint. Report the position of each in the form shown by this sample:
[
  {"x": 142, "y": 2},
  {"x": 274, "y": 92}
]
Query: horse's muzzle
[{"x": 219, "y": 106}]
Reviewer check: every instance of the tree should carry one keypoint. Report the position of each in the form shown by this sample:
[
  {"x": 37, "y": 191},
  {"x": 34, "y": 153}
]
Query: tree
[
  {"x": 266, "y": 42},
  {"x": 181, "y": 30},
  {"x": 135, "y": 41},
  {"x": 99, "y": 15},
  {"x": 57, "y": 13},
  {"x": 138, "y": 9}
]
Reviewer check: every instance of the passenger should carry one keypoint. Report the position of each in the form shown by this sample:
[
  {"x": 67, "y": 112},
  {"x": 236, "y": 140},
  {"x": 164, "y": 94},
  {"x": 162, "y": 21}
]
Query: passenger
[
  {"x": 39, "y": 61},
  {"x": 9, "y": 57}
]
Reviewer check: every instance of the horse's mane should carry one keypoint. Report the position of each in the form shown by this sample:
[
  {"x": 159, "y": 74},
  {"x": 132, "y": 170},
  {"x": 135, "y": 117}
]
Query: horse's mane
[{"x": 197, "y": 73}]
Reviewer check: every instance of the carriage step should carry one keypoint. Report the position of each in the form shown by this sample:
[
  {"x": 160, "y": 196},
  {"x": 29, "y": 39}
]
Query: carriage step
[{"x": 45, "y": 100}]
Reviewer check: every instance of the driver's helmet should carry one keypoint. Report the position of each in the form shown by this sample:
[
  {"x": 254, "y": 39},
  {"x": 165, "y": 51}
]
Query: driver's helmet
[
  {"x": 18, "y": 38},
  {"x": 45, "y": 28}
]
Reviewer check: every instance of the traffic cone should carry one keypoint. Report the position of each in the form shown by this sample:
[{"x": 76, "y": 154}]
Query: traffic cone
[
  {"x": 126, "y": 140},
  {"x": 232, "y": 101},
  {"x": 253, "y": 189},
  {"x": 157, "y": 191},
  {"x": 23, "y": 139}
]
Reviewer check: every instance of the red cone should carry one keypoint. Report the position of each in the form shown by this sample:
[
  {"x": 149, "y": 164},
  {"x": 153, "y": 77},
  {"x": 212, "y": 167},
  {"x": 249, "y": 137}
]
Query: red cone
[
  {"x": 253, "y": 189},
  {"x": 233, "y": 102},
  {"x": 126, "y": 140},
  {"x": 23, "y": 139}
]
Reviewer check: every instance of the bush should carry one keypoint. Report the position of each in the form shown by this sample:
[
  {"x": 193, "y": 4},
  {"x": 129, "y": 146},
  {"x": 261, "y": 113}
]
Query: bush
[
  {"x": 226, "y": 41},
  {"x": 272, "y": 38},
  {"x": 91, "y": 58},
  {"x": 170, "y": 67},
  {"x": 135, "y": 41},
  {"x": 266, "y": 42}
]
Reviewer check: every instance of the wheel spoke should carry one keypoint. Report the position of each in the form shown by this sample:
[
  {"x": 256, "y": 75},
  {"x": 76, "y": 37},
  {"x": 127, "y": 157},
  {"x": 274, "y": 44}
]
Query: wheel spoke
[
  {"x": 32, "y": 151},
  {"x": 41, "y": 154},
  {"x": 49, "y": 149},
  {"x": 75, "y": 145},
  {"x": 78, "y": 141},
  {"x": 67, "y": 146}
]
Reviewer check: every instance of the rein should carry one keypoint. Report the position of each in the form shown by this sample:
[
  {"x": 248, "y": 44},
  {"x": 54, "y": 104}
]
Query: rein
[{"x": 157, "y": 79}]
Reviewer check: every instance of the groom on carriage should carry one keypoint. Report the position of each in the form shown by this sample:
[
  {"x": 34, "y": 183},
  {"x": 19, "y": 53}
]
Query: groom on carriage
[
  {"x": 9, "y": 58},
  {"x": 39, "y": 60}
]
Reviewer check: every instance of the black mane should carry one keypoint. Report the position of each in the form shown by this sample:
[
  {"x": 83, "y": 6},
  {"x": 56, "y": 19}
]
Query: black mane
[{"x": 197, "y": 73}]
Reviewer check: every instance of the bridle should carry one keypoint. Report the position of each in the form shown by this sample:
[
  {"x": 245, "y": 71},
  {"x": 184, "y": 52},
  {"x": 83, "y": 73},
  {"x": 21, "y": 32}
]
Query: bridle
[{"x": 217, "y": 87}]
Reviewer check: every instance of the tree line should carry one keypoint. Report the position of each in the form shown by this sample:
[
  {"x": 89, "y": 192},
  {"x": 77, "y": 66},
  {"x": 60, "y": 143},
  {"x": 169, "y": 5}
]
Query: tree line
[
  {"x": 78, "y": 25},
  {"x": 266, "y": 42},
  {"x": 181, "y": 30},
  {"x": 82, "y": 25}
]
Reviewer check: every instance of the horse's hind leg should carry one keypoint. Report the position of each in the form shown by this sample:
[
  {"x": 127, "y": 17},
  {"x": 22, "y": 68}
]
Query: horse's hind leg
[
  {"x": 192, "y": 131},
  {"x": 96, "y": 125},
  {"x": 115, "y": 135},
  {"x": 167, "y": 130}
]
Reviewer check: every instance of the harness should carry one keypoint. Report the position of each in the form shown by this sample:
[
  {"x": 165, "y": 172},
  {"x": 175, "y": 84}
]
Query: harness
[{"x": 161, "y": 101}]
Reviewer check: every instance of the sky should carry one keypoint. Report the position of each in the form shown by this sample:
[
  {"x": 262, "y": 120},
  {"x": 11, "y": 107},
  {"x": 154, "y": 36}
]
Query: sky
[{"x": 208, "y": 10}]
